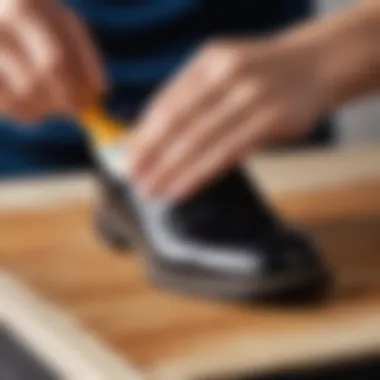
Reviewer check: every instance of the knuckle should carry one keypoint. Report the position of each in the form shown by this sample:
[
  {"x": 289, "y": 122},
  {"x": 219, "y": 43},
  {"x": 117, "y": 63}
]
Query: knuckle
[
  {"x": 224, "y": 62},
  {"x": 232, "y": 63},
  {"x": 215, "y": 51}
]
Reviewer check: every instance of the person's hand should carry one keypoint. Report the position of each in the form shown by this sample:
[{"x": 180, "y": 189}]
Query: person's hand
[
  {"x": 234, "y": 97},
  {"x": 48, "y": 64}
]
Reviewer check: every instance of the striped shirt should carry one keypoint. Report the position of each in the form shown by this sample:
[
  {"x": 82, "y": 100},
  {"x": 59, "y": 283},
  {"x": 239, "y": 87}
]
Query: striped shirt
[{"x": 142, "y": 43}]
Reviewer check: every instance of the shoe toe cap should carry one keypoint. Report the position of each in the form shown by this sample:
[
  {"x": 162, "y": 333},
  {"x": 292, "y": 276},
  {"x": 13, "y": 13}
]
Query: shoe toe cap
[{"x": 294, "y": 254}]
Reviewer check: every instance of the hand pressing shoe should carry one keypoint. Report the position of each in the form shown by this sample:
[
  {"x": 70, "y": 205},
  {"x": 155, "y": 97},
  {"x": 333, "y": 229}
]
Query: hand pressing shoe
[{"x": 225, "y": 242}]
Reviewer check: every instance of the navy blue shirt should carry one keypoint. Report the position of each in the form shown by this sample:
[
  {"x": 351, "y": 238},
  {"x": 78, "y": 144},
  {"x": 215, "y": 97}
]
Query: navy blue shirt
[{"x": 142, "y": 43}]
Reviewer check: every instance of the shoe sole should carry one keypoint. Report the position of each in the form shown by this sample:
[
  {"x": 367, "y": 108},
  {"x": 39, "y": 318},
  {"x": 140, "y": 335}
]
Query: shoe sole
[{"x": 310, "y": 285}]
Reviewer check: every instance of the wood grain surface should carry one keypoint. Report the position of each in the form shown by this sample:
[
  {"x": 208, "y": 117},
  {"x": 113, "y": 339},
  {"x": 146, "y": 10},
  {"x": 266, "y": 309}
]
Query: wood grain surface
[{"x": 168, "y": 336}]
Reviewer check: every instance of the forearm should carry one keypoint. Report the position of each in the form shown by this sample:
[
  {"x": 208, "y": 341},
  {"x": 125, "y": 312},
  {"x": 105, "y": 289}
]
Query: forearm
[{"x": 344, "y": 49}]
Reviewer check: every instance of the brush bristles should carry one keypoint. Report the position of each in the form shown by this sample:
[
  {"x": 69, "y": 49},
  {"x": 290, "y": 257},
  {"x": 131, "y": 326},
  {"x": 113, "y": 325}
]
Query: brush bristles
[{"x": 102, "y": 129}]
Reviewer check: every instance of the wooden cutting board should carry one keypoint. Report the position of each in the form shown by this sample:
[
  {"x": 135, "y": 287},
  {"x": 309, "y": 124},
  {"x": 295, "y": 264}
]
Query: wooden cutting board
[{"x": 47, "y": 241}]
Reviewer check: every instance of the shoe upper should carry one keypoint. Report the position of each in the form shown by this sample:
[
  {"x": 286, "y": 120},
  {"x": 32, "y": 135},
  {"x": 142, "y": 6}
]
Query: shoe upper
[{"x": 225, "y": 230}]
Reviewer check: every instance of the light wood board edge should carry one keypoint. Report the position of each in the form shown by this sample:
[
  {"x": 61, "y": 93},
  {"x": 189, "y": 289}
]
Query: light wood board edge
[
  {"x": 277, "y": 173},
  {"x": 56, "y": 338},
  {"x": 257, "y": 356},
  {"x": 315, "y": 169},
  {"x": 46, "y": 192}
]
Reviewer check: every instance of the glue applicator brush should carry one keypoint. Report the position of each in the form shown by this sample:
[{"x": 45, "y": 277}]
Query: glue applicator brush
[{"x": 108, "y": 139}]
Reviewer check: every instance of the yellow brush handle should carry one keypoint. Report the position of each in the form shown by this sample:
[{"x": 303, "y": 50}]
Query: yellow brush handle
[{"x": 101, "y": 127}]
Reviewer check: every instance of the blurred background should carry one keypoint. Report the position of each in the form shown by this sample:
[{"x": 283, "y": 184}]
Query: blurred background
[
  {"x": 359, "y": 122},
  {"x": 335, "y": 196}
]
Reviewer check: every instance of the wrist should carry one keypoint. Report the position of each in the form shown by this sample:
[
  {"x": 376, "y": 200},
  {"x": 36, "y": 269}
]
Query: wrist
[
  {"x": 350, "y": 66},
  {"x": 343, "y": 51}
]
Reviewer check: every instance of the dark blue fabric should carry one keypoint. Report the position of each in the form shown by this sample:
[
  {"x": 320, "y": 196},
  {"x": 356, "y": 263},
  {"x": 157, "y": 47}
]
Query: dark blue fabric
[{"x": 142, "y": 43}]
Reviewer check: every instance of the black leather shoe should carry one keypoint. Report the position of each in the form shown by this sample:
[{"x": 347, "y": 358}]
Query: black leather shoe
[{"x": 225, "y": 242}]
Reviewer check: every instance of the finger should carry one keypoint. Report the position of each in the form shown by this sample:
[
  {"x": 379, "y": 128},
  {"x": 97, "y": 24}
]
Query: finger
[
  {"x": 232, "y": 110},
  {"x": 167, "y": 118},
  {"x": 15, "y": 85},
  {"x": 200, "y": 86},
  {"x": 6, "y": 95},
  {"x": 151, "y": 143},
  {"x": 90, "y": 77},
  {"x": 230, "y": 150},
  {"x": 45, "y": 48},
  {"x": 26, "y": 92}
]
